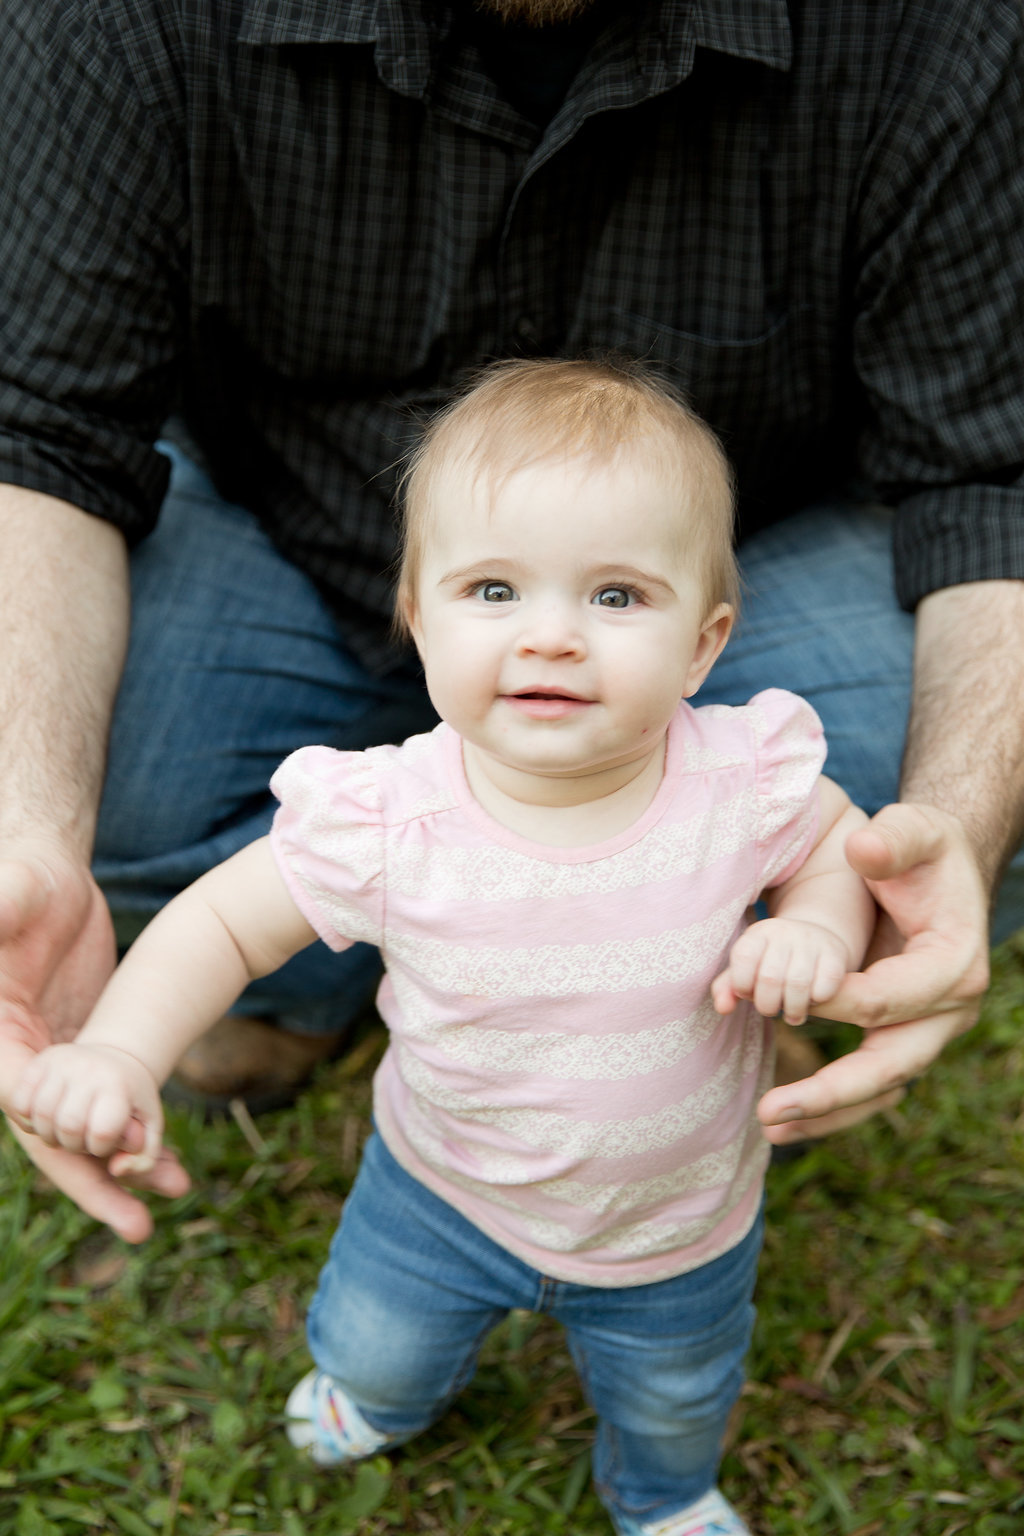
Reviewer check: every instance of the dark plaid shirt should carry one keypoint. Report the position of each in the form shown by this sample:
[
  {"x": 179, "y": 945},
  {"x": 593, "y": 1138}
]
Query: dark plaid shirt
[{"x": 294, "y": 222}]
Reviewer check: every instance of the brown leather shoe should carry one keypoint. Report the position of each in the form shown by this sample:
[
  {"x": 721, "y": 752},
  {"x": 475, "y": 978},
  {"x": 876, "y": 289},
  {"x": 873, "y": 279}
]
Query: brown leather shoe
[{"x": 248, "y": 1059}]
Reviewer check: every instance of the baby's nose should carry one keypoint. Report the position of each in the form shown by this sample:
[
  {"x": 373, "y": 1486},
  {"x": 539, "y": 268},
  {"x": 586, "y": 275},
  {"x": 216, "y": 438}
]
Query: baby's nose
[{"x": 552, "y": 630}]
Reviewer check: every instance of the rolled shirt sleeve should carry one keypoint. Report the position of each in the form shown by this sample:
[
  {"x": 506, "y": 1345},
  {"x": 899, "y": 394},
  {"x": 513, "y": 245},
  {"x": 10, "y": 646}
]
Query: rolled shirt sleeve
[
  {"x": 939, "y": 333},
  {"x": 93, "y": 265}
]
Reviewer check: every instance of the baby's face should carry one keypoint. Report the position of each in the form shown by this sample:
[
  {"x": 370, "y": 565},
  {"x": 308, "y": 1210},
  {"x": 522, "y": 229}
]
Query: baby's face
[{"x": 556, "y": 616}]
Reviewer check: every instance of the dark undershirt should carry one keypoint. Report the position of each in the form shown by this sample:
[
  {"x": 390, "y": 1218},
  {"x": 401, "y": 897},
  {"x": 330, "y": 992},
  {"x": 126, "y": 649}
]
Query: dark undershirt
[{"x": 533, "y": 67}]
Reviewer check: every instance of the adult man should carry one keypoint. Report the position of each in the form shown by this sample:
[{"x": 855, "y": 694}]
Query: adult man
[{"x": 294, "y": 225}]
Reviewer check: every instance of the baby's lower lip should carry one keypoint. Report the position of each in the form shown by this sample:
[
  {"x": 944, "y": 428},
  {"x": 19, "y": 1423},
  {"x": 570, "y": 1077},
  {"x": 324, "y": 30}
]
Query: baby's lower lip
[{"x": 545, "y": 706}]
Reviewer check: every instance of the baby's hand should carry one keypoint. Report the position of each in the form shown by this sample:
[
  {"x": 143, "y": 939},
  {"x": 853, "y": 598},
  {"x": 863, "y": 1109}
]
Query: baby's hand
[
  {"x": 782, "y": 965},
  {"x": 84, "y": 1097}
]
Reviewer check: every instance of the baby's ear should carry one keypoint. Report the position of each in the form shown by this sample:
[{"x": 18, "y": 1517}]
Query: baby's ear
[
  {"x": 715, "y": 631},
  {"x": 411, "y": 625},
  {"x": 404, "y": 626}
]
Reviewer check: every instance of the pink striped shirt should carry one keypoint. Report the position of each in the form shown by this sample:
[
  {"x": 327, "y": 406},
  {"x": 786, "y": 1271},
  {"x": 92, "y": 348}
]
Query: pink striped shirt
[{"x": 556, "y": 1070}]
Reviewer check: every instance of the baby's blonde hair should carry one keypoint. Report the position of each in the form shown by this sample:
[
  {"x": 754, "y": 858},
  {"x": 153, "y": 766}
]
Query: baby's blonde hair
[{"x": 518, "y": 413}]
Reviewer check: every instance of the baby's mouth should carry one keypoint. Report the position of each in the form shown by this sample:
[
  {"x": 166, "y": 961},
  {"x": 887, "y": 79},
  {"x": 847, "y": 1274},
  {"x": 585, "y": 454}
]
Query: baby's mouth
[
  {"x": 547, "y": 703},
  {"x": 548, "y": 693}
]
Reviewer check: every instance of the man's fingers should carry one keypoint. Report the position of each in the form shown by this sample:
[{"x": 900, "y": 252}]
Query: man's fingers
[
  {"x": 19, "y": 1073},
  {"x": 166, "y": 1177},
  {"x": 832, "y": 1087},
  {"x": 908, "y": 986},
  {"x": 91, "y": 1187},
  {"x": 873, "y": 1075},
  {"x": 130, "y": 1160},
  {"x": 796, "y": 1131},
  {"x": 896, "y": 839}
]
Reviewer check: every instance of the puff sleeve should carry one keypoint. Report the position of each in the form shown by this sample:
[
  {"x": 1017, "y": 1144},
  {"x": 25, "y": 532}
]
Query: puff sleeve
[
  {"x": 789, "y": 754},
  {"x": 327, "y": 838}
]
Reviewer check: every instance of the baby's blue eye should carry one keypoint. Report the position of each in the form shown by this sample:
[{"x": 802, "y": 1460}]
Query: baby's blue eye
[
  {"x": 496, "y": 592},
  {"x": 613, "y": 597}
]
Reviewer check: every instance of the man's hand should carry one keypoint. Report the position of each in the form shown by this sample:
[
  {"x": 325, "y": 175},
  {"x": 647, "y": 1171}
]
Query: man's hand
[
  {"x": 56, "y": 946},
  {"x": 56, "y": 953},
  {"x": 925, "y": 973}
]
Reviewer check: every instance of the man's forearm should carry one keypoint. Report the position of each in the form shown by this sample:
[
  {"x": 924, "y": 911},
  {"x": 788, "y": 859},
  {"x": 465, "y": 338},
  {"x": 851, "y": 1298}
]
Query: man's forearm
[
  {"x": 965, "y": 744},
  {"x": 63, "y": 631}
]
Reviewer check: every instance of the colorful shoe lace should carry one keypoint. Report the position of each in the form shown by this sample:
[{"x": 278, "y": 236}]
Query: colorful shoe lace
[
  {"x": 322, "y": 1420},
  {"x": 710, "y": 1516}
]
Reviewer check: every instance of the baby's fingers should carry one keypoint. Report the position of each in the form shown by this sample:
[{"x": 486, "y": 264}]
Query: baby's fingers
[
  {"x": 796, "y": 991},
  {"x": 723, "y": 994},
  {"x": 148, "y": 1119},
  {"x": 24, "y": 1094},
  {"x": 74, "y": 1121},
  {"x": 106, "y": 1120},
  {"x": 745, "y": 959},
  {"x": 828, "y": 976},
  {"x": 38, "y": 1101},
  {"x": 770, "y": 984}
]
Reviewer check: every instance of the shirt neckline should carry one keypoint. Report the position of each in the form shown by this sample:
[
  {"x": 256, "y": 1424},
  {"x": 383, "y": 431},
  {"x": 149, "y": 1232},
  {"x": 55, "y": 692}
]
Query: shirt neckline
[
  {"x": 580, "y": 853},
  {"x": 758, "y": 30},
  {"x": 751, "y": 29}
]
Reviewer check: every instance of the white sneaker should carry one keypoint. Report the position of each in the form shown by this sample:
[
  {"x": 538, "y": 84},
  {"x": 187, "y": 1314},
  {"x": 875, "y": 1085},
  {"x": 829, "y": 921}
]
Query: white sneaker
[
  {"x": 324, "y": 1421},
  {"x": 710, "y": 1516}
]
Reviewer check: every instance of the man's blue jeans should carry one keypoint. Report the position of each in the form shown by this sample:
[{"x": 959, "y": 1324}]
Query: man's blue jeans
[
  {"x": 235, "y": 660},
  {"x": 411, "y": 1290}
]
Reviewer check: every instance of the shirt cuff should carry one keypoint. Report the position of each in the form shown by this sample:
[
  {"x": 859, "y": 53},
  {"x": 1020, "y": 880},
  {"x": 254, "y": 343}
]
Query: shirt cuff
[
  {"x": 943, "y": 538},
  {"x": 34, "y": 468}
]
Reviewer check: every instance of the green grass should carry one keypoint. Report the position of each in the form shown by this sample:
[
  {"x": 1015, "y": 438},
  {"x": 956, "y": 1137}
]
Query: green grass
[{"x": 142, "y": 1389}]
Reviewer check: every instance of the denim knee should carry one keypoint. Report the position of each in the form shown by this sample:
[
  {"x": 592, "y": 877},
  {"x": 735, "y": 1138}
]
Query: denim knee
[
  {"x": 662, "y": 1365},
  {"x": 401, "y": 1307}
]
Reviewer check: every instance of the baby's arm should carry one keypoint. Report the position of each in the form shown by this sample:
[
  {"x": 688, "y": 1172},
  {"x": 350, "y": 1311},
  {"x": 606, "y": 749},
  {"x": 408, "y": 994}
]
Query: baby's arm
[
  {"x": 821, "y": 921},
  {"x": 181, "y": 975}
]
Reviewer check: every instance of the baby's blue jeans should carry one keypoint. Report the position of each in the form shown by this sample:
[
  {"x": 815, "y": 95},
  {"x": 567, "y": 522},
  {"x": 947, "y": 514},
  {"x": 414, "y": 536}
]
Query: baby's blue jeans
[
  {"x": 411, "y": 1290},
  {"x": 235, "y": 660}
]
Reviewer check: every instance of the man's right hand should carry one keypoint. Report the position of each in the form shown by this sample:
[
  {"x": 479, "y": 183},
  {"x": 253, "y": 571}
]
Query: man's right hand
[{"x": 56, "y": 953}]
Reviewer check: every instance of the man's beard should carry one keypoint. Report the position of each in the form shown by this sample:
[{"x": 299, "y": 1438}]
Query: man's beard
[{"x": 536, "y": 13}]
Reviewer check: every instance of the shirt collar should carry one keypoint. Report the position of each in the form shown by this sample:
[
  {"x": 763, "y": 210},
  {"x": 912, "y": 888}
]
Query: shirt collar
[
  {"x": 652, "y": 51},
  {"x": 270, "y": 22},
  {"x": 756, "y": 29},
  {"x": 749, "y": 29},
  {"x": 399, "y": 32}
]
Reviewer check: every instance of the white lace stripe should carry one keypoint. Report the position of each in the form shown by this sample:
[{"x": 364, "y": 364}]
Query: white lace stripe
[
  {"x": 546, "y": 1130},
  {"x": 608, "y": 1192},
  {"x": 578, "y": 1057},
  {"x": 782, "y": 858},
  {"x": 639, "y": 1234},
  {"x": 562, "y": 970},
  {"x": 333, "y": 917},
  {"x": 442, "y": 872}
]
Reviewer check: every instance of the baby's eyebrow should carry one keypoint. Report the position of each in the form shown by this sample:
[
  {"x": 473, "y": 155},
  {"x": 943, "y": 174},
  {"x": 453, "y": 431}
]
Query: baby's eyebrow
[
  {"x": 484, "y": 567},
  {"x": 509, "y": 568},
  {"x": 631, "y": 573}
]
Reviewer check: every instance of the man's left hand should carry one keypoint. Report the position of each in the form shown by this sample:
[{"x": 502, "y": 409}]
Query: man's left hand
[{"x": 924, "y": 977}]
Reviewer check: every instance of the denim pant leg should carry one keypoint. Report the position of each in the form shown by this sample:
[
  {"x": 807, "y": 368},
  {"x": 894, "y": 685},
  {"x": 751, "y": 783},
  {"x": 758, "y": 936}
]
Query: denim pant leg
[
  {"x": 407, "y": 1296},
  {"x": 411, "y": 1289},
  {"x": 820, "y": 617},
  {"x": 234, "y": 661},
  {"x": 662, "y": 1366}
]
